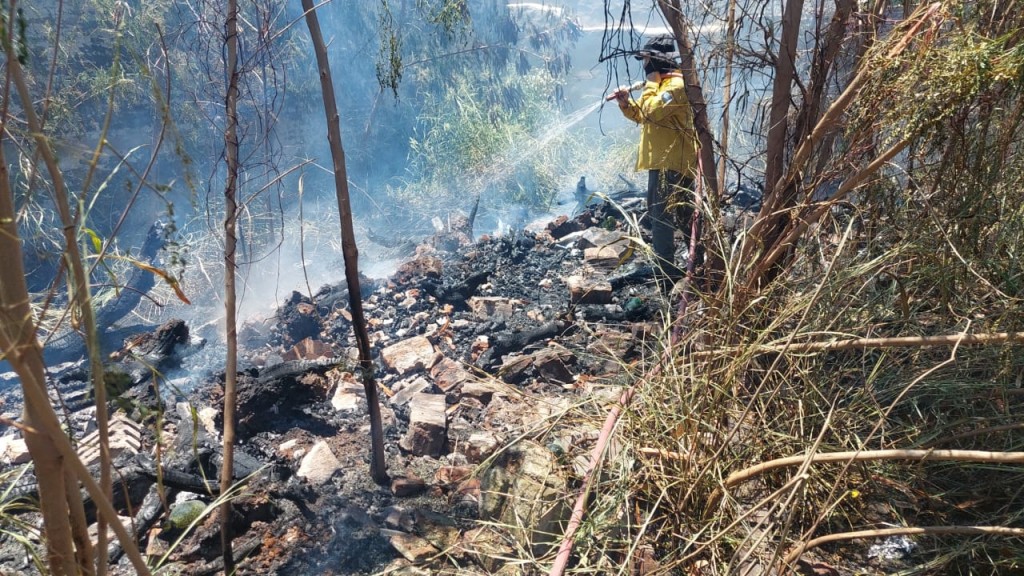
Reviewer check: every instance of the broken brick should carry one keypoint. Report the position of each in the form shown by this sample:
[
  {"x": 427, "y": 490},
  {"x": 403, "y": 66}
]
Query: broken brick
[
  {"x": 428, "y": 426},
  {"x": 415, "y": 353},
  {"x": 589, "y": 291}
]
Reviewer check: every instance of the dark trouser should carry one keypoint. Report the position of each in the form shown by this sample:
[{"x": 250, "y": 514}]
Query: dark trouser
[{"x": 669, "y": 194}]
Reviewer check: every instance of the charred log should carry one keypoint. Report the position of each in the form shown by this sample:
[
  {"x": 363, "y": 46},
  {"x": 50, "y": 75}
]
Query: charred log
[
  {"x": 505, "y": 343},
  {"x": 176, "y": 479},
  {"x": 70, "y": 345},
  {"x": 640, "y": 274},
  {"x": 281, "y": 388},
  {"x": 155, "y": 348},
  {"x": 457, "y": 293}
]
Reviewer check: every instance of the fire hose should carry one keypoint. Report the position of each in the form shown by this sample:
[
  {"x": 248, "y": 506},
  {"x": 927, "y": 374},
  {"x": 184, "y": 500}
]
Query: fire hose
[{"x": 631, "y": 88}]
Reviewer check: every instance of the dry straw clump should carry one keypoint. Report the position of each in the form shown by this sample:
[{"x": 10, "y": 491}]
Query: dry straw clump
[
  {"x": 745, "y": 387},
  {"x": 885, "y": 357}
]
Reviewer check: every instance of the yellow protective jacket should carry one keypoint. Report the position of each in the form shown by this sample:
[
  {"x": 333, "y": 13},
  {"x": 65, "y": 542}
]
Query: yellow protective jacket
[{"x": 667, "y": 138}]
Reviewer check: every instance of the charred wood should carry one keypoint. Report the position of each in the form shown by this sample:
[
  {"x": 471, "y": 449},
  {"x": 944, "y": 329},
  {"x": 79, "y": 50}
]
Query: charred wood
[
  {"x": 242, "y": 550},
  {"x": 70, "y": 345},
  {"x": 511, "y": 341},
  {"x": 457, "y": 293},
  {"x": 157, "y": 347},
  {"x": 640, "y": 274},
  {"x": 282, "y": 387}
]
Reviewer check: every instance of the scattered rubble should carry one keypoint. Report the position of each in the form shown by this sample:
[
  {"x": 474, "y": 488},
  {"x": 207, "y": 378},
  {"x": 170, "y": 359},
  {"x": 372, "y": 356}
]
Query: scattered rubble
[{"x": 479, "y": 345}]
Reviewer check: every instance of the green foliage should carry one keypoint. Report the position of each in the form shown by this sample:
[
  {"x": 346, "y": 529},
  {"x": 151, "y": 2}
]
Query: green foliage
[
  {"x": 389, "y": 59},
  {"x": 465, "y": 147},
  {"x": 451, "y": 15},
  {"x": 912, "y": 92},
  {"x": 20, "y": 45}
]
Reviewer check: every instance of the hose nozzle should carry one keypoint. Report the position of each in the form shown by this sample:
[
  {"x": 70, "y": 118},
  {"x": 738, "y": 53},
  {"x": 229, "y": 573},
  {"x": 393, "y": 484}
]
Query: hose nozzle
[{"x": 626, "y": 89}]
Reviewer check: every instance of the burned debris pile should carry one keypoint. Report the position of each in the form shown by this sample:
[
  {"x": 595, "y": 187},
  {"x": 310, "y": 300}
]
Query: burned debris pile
[{"x": 481, "y": 350}]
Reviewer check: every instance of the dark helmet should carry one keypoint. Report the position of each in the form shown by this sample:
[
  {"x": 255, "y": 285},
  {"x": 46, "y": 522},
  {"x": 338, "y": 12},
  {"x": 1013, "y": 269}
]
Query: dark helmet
[{"x": 661, "y": 48}]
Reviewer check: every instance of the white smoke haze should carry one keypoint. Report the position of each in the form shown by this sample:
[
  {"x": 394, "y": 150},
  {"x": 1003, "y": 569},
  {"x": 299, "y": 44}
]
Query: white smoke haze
[
  {"x": 527, "y": 176},
  {"x": 580, "y": 137}
]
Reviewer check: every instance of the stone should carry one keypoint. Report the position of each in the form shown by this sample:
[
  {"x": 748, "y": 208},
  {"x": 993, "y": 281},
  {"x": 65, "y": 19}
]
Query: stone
[
  {"x": 449, "y": 374},
  {"x": 489, "y": 307},
  {"x": 15, "y": 451},
  {"x": 290, "y": 448},
  {"x": 449, "y": 475},
  {"x": 525, "y": 491},
  {"x": 349, "y": 395},
  {"x": 310, "y": 349},
  {"x": 609, "y": 256},
  {"x": 479, "y": 446},
  {"x": 413, "y": 548},
  {"x": 480, "y": 390},
  {"x": 407, "y": 486},
  {"x": 551, "y": 364},
  {"x": 589, "y": 291},
  {"x": 406, "y": 390},
  {"x": 349, "y": 398},
  {"x": 438, "y": 529},
  {"x": 416, "y": 353},
  {"x": 156, "y": 547},
  {"x": 319, "y": 465},
  {"x": 597, "y": 237},
  {"x": 428, "y": 426},
  {"x": 611, "y": 342}
]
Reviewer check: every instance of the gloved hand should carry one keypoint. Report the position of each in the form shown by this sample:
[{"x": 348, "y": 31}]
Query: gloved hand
[{"x": 622, "y": 93}]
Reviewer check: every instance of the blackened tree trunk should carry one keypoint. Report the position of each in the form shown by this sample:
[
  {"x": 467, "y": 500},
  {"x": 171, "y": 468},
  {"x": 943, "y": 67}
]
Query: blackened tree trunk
[
  {"x": 378, "y": 468},
  {"x": 672, "y": 11},
  {"x": 694, "y": 91},
  {"x": 230, "y": 246}
]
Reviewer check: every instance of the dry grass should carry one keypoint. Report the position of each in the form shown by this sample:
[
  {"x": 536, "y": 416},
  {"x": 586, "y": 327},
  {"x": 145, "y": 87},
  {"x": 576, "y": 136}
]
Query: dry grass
[{"x": 735, "y": 396}]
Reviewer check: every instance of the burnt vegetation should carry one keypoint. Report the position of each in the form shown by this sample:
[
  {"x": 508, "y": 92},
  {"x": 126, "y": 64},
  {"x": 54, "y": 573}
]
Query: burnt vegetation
[{"x": 233, "y": 345}]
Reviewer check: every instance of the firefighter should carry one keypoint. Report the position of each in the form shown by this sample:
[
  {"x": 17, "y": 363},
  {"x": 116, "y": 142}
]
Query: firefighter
[{"x": 667, "y": 150}]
